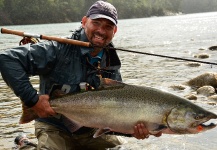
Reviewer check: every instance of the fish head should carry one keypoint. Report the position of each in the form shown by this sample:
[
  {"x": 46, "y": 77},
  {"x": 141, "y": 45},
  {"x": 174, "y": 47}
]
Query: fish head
[{"x": 190, "y": 119}]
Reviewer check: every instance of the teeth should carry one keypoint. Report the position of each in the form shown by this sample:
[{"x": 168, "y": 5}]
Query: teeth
[{"x": 98, "y": 37}]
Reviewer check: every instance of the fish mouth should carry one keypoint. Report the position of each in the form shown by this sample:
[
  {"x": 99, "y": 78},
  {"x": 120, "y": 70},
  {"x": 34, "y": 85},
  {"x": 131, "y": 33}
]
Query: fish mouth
[
  {"x": 205, "y": 126},
  {"x": 207, "y": 123},
  {"x": 211, "y": 125}
]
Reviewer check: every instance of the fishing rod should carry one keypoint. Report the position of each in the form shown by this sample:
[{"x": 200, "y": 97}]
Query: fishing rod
[
  {"x": 44, "y": 37},
  {"x": 165, "y": 56},
  {"x": 87, "y": 44}
]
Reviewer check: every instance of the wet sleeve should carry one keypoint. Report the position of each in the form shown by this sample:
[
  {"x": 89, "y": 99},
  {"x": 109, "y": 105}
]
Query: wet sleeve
[{"x": 18, "y": 64}]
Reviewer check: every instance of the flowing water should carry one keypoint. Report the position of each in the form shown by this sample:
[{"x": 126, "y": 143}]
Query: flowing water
[{"x": 182, "y": 36}]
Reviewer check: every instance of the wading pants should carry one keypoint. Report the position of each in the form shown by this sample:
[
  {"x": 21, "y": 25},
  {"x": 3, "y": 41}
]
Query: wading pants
[{"x": 52, "y": 138}]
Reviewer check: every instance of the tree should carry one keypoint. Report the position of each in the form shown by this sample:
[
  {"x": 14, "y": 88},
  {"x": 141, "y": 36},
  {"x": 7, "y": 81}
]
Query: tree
[{"x": 56, "y": 11}]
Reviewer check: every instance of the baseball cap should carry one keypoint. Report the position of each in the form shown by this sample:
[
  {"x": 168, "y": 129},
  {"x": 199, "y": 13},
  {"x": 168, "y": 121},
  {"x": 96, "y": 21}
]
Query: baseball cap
[{"x": 101, "y": 9}]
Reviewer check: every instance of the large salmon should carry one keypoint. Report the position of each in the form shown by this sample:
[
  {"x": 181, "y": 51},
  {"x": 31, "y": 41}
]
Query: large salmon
[{"x": 118, "y": 107}]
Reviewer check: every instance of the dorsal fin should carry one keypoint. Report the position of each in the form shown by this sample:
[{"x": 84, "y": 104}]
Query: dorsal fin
[
  {"x": 27, "y": 114},
  {"x": 106, "y": 83},
  {"x": 101, "y": 131}
]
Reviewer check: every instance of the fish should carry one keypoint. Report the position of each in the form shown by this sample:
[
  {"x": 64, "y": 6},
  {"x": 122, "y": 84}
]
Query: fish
[{"x": 116, "y": 106}]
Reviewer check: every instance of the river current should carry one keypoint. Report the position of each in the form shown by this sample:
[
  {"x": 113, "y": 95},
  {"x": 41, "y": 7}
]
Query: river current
[{"x": 183, "y": 36}]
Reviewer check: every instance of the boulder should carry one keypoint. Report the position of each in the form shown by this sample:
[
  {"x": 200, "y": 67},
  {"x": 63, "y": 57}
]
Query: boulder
[
  {"x": 206, "y": 90},
  {"x": 209, "y": 79}
]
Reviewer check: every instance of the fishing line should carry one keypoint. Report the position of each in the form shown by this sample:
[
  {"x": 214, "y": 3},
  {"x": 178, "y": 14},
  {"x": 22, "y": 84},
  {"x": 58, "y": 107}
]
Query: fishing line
[{"x": 164, "y": 56}]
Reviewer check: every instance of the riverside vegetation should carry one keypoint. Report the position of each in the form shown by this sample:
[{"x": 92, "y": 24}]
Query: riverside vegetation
[{"x": 60, "y": 11}]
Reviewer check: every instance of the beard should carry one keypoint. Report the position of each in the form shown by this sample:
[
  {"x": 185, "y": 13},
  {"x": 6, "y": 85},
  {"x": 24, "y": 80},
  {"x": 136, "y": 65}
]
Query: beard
[{"x": 99, "y": 40}]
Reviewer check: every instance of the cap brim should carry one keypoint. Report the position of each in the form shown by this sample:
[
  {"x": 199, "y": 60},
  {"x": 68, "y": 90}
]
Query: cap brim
[{"x": 97, "y": 16}]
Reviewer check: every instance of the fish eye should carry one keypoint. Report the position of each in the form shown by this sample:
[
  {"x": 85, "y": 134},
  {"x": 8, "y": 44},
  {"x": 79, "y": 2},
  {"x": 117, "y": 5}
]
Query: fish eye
[{"x": 198, "y": 117}]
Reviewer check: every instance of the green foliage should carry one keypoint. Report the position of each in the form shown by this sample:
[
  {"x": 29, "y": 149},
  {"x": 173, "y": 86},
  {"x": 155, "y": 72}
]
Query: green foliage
[
  {"x": 55, "y": 11},
  {"x": 1, "y": 4},
  {"x": 195, "y": 6}
]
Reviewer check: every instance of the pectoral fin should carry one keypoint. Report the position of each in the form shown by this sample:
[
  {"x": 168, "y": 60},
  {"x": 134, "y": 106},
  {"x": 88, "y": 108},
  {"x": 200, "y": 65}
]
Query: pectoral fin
[
  {"x": 101, "y": 131},
  {"x": 159, "y": 128}
]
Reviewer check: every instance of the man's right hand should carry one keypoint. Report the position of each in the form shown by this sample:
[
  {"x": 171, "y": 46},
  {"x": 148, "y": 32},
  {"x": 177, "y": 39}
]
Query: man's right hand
[{"x": 42, "y": 107}]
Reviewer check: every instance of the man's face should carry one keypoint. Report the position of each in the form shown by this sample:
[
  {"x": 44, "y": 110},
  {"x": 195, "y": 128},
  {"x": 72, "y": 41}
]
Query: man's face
[{"x": 99, "y": 31}]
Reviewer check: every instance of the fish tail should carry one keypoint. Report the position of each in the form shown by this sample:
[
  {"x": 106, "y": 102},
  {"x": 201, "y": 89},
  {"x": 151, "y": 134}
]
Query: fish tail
[{"x": 27, "y": 114}]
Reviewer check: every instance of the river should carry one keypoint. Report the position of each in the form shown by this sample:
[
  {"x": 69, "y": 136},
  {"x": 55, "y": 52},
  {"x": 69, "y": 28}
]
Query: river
[{"x": 181, "y": 36}]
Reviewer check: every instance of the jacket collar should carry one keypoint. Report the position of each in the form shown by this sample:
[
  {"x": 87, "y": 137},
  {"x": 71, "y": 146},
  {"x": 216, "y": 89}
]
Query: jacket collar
[{"x": 83, "y": 37}]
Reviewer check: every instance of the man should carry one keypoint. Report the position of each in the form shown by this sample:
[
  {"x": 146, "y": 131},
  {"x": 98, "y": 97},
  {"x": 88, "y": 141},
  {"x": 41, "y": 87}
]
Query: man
[{"x": 65, "y": 66}]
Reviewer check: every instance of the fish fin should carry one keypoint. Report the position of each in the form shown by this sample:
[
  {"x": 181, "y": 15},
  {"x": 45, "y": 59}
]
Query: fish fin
[
  {"x": 106, "y": 83},
  {"x": 58, "y": 93},
  {"x": 160, "y": 128},
  {"x": 27, "y": 114},
  {"x": 101, "y": 131},
  {"x": 72, "y": 125}
]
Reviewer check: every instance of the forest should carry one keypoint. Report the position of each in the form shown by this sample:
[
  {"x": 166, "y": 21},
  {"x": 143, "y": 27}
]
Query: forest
[{"x": 20, "y": 12}]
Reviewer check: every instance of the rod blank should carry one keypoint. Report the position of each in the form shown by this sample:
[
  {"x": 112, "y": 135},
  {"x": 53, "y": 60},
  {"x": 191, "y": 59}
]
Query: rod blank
[{"x": 44, "y": 37}]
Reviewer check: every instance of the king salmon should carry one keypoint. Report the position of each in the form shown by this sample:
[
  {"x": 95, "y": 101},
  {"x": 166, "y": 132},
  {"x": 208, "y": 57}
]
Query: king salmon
[{"x": 118, "y": 107}]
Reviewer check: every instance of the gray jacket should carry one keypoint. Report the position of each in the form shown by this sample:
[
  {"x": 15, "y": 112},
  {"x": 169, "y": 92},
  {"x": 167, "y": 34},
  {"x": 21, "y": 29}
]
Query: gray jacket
[{"x": 55, "y": 63}]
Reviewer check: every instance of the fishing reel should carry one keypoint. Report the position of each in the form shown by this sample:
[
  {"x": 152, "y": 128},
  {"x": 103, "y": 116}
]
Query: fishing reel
[{"x": 27, "y": 40}]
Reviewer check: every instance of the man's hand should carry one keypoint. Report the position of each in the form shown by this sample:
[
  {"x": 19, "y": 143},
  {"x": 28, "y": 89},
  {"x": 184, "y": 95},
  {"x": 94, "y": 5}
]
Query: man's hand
[
  {"x": 42, "y": 107},
  {"x": 141, "y": 132}
]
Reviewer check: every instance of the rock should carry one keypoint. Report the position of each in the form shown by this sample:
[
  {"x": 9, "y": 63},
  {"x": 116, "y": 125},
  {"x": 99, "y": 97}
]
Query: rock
[
  {"x": 213, "y": 97},
  {"x": 201, "y": 49},
  {"x": 202, "y": 56},
  {"x": 193, "y": 64},
  {"x": 206, "y": 90},
  {"x": 211, "y": 103},
  {"x": 178, "y": 87},
  {"x": 191, "y": 97},
  {"x": 204, "y": 79},
  {"x": 213, "y": 48}
]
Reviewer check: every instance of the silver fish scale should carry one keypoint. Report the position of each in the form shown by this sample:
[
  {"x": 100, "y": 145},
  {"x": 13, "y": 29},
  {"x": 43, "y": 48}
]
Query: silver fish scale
[{"x": 120, "y": 107}]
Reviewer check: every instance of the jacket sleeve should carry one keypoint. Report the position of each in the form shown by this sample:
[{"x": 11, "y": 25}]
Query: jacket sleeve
[{"x": 17, "y": 64}]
